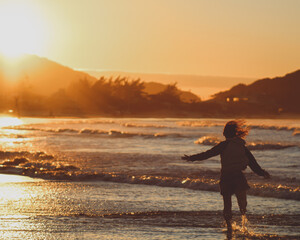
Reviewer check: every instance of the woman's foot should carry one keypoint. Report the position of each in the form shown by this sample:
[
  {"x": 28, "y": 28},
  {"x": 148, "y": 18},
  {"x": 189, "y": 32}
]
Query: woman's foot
[
  {"x": 229, "y": 227},
  {"x": 229, "y": 232}
]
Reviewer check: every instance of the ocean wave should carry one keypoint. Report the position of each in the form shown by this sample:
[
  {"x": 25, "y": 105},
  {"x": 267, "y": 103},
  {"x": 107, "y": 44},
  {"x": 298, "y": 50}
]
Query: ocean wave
[
  {"x": 91, "y": 121},
  {"x": 88, "y": 121},
  {"x": 30, "y": 128},
  {"x": 212, "y": 141},
  {"x": 110, "y": 133},
  {"x": 42, "y": 165},
  {"x": 62, "y": 130},
  {"x": 268, "y": 146},
  {"x": 172, "y": 135},
  {"x": 25, "y": 128},
  {"x": 198, "y": 124},
  {"x": 140, "y": 125},
  {"x": 124, "y": 124},
  {"x": 296, "y": 132},
  {"x": 91, "y": 131},
  {"x": 122, "y": 134},
  {"x": 207, "y": 123},
  {"x": 97, "y": 132},
  {"x": 208, "y": 140},
  {"x": 273, "y": 127}
]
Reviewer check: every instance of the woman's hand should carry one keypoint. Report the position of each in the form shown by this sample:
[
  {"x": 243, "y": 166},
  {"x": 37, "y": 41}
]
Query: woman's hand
[{"x": 187, "y": 158}]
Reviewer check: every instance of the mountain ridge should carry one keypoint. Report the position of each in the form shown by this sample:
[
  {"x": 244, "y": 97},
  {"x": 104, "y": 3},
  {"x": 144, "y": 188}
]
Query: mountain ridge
[{"x": 281, "y": 92}]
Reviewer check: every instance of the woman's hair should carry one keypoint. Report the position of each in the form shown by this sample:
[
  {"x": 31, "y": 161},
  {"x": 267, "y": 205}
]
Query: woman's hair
[{"x": 235, "y": 128}]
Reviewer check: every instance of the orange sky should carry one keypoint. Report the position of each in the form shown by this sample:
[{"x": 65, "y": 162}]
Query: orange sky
[{"x": 249, "y": 38}]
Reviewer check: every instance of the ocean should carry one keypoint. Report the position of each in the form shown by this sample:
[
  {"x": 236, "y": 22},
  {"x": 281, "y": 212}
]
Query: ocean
[{"x": 123, "y": 178}]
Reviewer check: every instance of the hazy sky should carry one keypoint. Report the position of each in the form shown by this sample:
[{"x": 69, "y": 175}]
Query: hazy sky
[{"x": 246, "y": 38}]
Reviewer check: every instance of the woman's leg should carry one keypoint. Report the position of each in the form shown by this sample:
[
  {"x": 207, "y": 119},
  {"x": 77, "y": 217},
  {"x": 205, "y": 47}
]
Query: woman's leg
[
  {"x": 227, "y": 210},
  {"x": 242, "y": 201}
]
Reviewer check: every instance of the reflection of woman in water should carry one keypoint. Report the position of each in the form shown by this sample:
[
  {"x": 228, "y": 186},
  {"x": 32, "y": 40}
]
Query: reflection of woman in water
[{"x": 235, "y": 157}]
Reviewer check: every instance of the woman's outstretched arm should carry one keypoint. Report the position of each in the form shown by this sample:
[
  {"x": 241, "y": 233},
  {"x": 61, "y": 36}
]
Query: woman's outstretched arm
[
  {"x": 254, "y": 165},
  {"x": 216, "y": 150}
]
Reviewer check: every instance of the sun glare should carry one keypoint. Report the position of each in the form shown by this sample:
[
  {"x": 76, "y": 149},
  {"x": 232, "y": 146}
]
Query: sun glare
[{"x": 21, "y": 29}]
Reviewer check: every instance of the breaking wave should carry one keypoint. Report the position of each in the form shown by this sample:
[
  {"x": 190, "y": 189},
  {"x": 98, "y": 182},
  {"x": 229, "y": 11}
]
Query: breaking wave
[
  {"x": 42, "y": 165},
  {"x": 139, "y": 125},
  {"x": 198, "y": 124},
  {"x": 206, "y": 140},
  {"x": 212, "y": 141},
  {"x": 295, "y": 130},
  {"x": 124, "y": 124},
  {"x": 97, "y": 132},
  {"x": 277, "y": 128},
  {"x": 89, "y": 121},
  {"x": 268, "y": 146}
]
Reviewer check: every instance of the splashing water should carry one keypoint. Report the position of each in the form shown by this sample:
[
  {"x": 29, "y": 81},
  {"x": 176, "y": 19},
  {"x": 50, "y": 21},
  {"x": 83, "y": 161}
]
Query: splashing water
[
  {"x": 244, "y": 232},
  {"x": 244, "y": 223},
  {"x": 243, "y": 228}
]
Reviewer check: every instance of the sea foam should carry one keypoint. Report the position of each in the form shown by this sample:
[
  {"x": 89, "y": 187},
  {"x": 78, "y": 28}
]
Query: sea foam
[
  {"x": 42, "y": 165},
  {"x": 212, "y": 141}
]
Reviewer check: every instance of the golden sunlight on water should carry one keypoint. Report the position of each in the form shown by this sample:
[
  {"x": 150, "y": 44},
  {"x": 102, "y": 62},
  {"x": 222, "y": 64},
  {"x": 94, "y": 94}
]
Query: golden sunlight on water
[
  {"x": 12, "y": 189},
  {"x": 8, "y": 194},
  {"x": 10, "y": 121},
  {"x": 10, "y": 139},
  {"x": 5, "y": 178}
]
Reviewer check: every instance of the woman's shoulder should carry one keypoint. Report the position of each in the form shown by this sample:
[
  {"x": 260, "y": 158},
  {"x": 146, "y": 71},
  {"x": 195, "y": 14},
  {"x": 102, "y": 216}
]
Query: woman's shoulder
[{"x": 221, "y": 145}]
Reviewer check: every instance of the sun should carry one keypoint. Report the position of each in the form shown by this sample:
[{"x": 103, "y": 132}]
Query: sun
[{"x": 21, "y": 28}]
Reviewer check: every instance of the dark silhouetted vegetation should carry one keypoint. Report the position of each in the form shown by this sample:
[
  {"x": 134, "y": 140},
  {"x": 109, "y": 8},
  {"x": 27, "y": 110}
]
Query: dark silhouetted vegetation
[{"x": 117, "y": 97}]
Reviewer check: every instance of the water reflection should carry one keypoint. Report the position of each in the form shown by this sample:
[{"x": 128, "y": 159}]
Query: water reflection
[
  {"x": 12, "y": 189},
  {"x": 11, "y": 138},
  {"x": 10, "y": 121},
  {"x": 6, "y": 178}
]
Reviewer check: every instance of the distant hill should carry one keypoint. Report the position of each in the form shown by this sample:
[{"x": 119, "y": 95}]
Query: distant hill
[
  {"x": 282, "y": 93},
  {"x": 39, "y": 74},
  {"x": 45, "y": 77},
  {"x": 185, "y": 96}
]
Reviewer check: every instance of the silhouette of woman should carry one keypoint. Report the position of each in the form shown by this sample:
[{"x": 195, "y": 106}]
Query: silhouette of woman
[{"x": 235, "y": 157}]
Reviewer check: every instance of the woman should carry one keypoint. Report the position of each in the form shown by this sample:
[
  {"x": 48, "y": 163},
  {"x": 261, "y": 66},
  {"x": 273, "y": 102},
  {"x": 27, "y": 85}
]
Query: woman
[{"x": 235, "y": 157}]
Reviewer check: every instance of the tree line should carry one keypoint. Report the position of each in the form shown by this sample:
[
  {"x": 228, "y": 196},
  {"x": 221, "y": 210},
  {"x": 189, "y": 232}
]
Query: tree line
[{"x": 120, "y": 96}]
